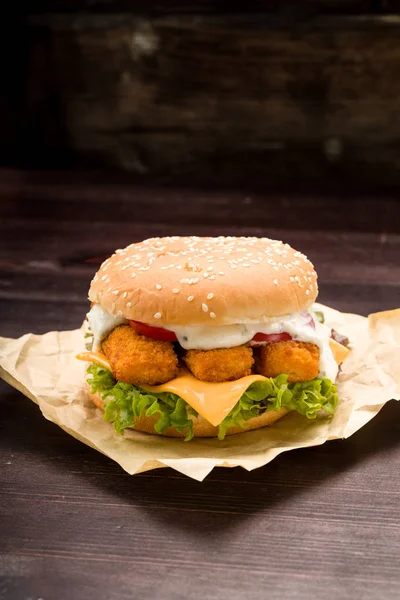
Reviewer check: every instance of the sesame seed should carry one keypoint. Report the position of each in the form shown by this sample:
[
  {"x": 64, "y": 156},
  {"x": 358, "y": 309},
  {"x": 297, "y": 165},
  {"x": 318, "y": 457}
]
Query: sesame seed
[
  {"x": 158, "y": 286},
  {"x": 212, "y": 315},
  {"x": 291, "y": 278},
  {"x": 104, "y": 277},
  {"x": 112, "y": 307},
  {"x": 125, "y": 294},
  {"x": 210, "y": 296},
  {"x": 221, "y": 273},
  {"x": 133, "y": 275},
  {"x": 116, "y": 292},
  {"x": 210, "y": 268},
  {"x": 276, "y": 282},
  {"x": 190, "y": 298},
  {"x": 128, "y": 304},
  {"x": 205, "y": 275},
  {"x": 212, "y": 277},
  {"x": 176, "y": 290},
  {"x": 157, "y": 315},
  {"x": 119, "y": 313},
  {"x": 204, "y": 307},
  {"x": 307, "y": 292}
]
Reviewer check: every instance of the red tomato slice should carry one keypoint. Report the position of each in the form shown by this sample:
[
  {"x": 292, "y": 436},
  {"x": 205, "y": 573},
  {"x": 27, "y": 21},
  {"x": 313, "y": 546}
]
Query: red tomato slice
[
  {"x": 156, "y": 333},
  {"x": 164, "y": 335},
  {"x": 271, "y": 337}
]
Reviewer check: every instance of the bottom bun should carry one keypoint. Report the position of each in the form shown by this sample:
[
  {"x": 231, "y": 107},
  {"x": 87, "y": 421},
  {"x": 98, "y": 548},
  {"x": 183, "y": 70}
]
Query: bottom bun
[{"x": 202, "y": 428}]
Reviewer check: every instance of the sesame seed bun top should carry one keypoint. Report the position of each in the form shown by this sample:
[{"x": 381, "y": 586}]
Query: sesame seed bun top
[{"x": 209, "y": 281}]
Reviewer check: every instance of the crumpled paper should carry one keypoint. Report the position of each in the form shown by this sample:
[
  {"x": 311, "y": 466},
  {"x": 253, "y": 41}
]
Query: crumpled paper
[{"x": 44, "y": 368}]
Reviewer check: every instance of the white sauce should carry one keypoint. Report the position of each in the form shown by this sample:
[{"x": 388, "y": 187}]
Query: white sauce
[
  {"x": 207, "y": 337},
  {"x": 102, "y": 323}
]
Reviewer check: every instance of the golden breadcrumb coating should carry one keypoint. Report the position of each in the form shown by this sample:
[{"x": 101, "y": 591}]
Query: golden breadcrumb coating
[
  {"x": 138, "y": 359},
  {"x": 299, "y": 360},
  {"x": 224, "y": 364}
]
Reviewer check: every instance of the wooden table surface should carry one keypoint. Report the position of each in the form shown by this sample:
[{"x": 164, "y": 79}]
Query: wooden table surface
[{"x": 315, "y": 523}]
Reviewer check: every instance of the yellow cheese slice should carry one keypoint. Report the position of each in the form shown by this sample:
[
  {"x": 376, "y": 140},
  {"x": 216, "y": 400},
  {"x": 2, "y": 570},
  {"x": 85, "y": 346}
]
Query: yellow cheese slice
[
  {"x": 339, "y": 351},
  {"x": 213, "y": 401},
  {"x": 97, "y": 357}
]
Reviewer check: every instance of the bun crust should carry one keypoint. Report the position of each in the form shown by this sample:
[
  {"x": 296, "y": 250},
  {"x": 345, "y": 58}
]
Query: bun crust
[
  {"x": 202, "y": 428},
  {"x": 204, "y": 281}
]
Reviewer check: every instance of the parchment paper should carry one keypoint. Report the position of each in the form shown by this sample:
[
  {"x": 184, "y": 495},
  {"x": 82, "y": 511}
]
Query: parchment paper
[{"x": 44, "y": 368}]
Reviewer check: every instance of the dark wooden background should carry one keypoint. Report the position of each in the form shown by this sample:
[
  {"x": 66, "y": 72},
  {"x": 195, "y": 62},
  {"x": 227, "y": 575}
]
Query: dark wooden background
[
  {"x": 317, "y": 523},
  {"x": 123, "y": 120},
  {"x": 280, "y": 93}
]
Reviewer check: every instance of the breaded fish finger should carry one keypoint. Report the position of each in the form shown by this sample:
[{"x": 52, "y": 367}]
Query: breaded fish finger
[
  {"x": 138, "y": 359},
  {"x": 224, "y": 364},
  {"x": 299, "y": 360}
]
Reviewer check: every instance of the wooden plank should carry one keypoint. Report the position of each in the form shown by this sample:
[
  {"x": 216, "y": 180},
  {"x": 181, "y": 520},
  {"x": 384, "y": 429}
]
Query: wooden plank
[
  {"x": 88, "y": 197},
  {"x": 216, "y": 99},
  {"x": 61, "y": 479},
  {"x": 23, "y": 315},
  {"x": 58, "y": 244},
  {"x": 209, "y": 7}
]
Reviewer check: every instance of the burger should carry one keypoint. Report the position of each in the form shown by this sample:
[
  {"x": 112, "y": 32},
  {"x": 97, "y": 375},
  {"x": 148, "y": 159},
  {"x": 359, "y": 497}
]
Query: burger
[{"x": 208, "y": 336}]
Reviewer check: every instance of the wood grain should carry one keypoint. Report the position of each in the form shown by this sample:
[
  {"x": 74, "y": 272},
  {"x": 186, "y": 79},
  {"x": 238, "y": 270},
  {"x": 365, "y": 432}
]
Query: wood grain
[
  {"x": 216, "y": 97},
  {"x": 208, "y": 7},
  {"x": 316, "y": 523},
  {"x": 72, "y": 522},
  {"x": 72, "y": 196}
]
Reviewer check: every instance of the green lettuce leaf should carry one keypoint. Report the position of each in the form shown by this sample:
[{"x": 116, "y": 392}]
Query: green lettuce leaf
[
  {"x": 307, "y": 398},
  {"x": 124, "y": 401}
]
